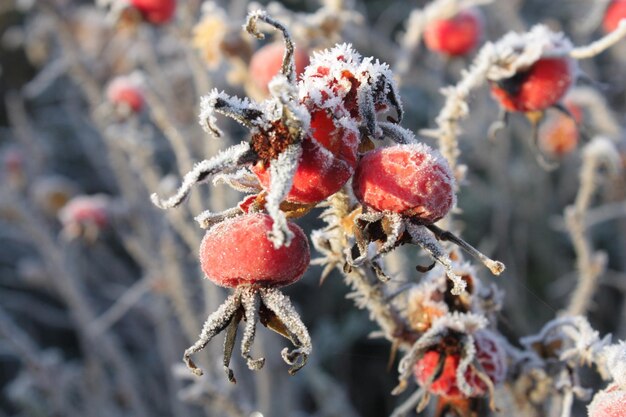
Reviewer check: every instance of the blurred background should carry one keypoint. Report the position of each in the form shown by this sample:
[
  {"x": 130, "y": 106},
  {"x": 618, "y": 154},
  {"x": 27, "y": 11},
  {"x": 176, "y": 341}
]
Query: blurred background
[{"x": 101, "y": 292}]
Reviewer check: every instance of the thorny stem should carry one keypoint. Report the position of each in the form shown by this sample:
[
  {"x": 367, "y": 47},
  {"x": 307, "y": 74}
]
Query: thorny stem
[{"x": 496, "y": 267}]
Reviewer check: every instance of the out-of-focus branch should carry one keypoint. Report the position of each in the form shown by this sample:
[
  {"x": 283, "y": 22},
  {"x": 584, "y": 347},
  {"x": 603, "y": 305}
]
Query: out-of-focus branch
[{"x": 599, "y": 153}]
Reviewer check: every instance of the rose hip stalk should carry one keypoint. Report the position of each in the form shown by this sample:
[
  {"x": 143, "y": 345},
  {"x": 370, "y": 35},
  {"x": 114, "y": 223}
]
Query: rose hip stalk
[
  {"x": 237, "y": 254},
  {"x": 404, "y": 190}
]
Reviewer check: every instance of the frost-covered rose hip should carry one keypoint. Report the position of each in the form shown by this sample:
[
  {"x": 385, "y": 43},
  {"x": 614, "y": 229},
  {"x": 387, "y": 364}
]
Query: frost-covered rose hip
[
  {"x": 610, "y": 402},
  {"x": 125, "y": 91},
  {"x": 155, "y": 11},
  {"x": 267, "y": 62},
  {"x": 411, "y": 180},
  {"x": 489, "y": 355},
  {"x": 457, "y": 35},
  {"x": 238, "y": 252},
  {"x": 538, "y": 87},
  {"x": 404, "y": 190},
  {"x": 327, "y": 162},
  {"x": 613, "y": 15}
]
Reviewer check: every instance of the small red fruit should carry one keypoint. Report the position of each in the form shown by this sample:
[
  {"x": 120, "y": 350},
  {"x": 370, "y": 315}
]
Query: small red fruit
[
  {"x": 538, "y": 87},
  {"x": 608, "y": 403},
  {"x": 411, "y": 180},
  {"x": 155, "y": 11},
  {"x": 238, "y": 252},
  {"x": 558, "y": 135},
  {"x": 327, "y": 162},
  {"x": 126, "y": 91},
  {"x": 489, "y": 354},
  {"x": 613, "y": 15},
  {"x": 457, "y": 35},
  {"x": 86, "y": 211},
  {"x": 267, "y": 61}
]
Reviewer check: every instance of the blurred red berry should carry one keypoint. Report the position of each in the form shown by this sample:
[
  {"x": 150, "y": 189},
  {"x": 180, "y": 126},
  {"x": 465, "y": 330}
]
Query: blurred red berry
[
  {"x": 155, "y": 11},
  {"x": 558, "y": 135},
  {"x": 125, "y": 91},
  {"x": 327, "y": 162},
  {"x": 489, "y": 354},
  {"x": 411, "y": 180},
  {"x": 613, "y": 15},
  {"x": 608, "y": 403},
  {"x": 86, "y": 210},
  {"x": 267, "y": 61},
  {"x": 540, "y": 86},
  {"x": 239, "y": 252},
  {"x": 13, "y": 161},
  {"x": 457, "y": 35}
]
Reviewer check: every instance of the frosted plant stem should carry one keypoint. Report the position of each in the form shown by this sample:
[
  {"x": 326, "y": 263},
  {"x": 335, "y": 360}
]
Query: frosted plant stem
[
  {"x": 164, "y": 121},
  {"x": 602, "y": 44},
  {"x": 409, "y": 404},
  {"x": 599, "y": 152},
  {"x": 496, "y": 267},
  {"x": 67, "y": 284}
]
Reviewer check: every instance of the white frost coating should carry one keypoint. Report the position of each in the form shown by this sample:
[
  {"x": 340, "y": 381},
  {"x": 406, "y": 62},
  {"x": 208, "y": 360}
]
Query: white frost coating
[
  {"x": 518, "y": 51},
  {"x": 209, "y": 167},
  {"x": 422, "y": 237},
  {"x": 604, "y": 151},
  {"x": 208, "y": 109},
  {"x": 465, "y": 323},
  {"x": 612, "y": 360},
  {"x": 282, "y": 170},
  {"x": 611, "y": 398},
  {"x": 241, "y": 180},
  {"x": 467, "y": 357},
  {"x": 579, "y": 342}
]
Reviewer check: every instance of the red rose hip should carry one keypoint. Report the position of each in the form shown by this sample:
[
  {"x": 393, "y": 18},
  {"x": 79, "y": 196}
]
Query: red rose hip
[
  {"x": 328, "y": 161},
  {"x": 489, "y": 354},
  {"x": 155, "y": 11},
  {"x": 608, "y": 403},
  {"x": 412, "y": 180},
  {"x": 613, "y": 15},
  {"x": 126, "y": 91},
  {"x": 538, "y": 87},
  {"x": 457, "y": 35},
  {"x": 239, "y": 252},
  {"x": 267, "y": 61}
]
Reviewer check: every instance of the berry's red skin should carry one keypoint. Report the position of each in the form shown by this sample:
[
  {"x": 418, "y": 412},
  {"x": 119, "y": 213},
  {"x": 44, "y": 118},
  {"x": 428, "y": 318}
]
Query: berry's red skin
[
  {"x": 267, "y": 61},
  {"x": 85, "y": 210},
  {"x": 537, "y": 88},
  {"x": 608, "y": 403},
  {"x": 155, "y": 11},
  {"x": 123, "y": 92},
  {"x": 238, "y": 252},
  {"x": 489, "y": 354},
  {"x": 558, "y": 136},
  {"x": 405, "y": 179},
  {"x": 327, "y": 162},
  {"x": 614, "y": 13},
  {"x": 455, "y": 36}
]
